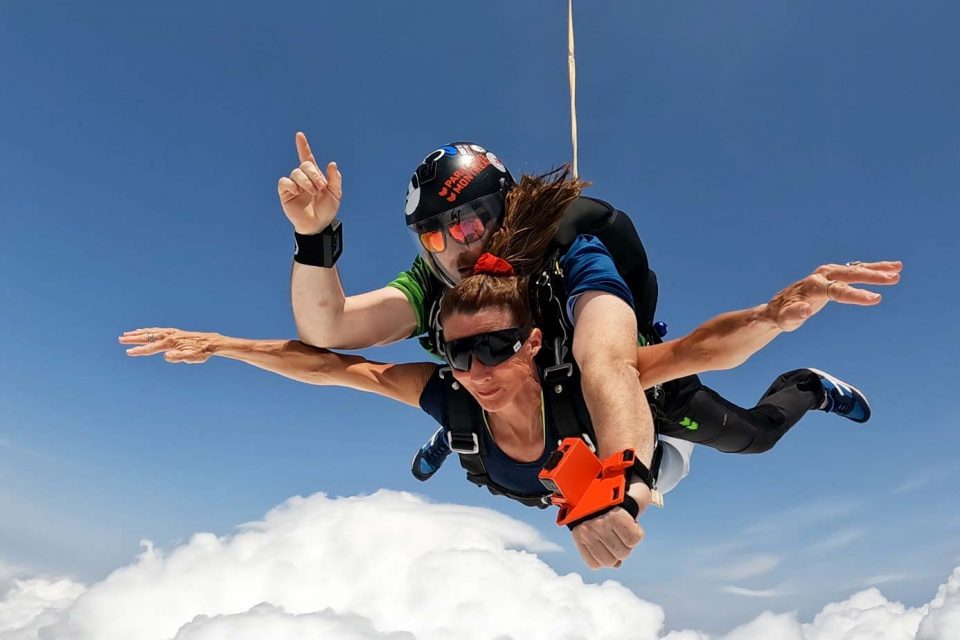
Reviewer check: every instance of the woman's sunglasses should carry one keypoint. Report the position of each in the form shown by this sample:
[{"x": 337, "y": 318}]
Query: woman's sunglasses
[{"x": 491, "y": 349}]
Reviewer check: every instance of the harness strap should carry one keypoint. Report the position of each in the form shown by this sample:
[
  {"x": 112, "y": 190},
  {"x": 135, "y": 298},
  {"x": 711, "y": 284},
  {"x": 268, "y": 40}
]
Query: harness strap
[{"x": 465, "y": 436}]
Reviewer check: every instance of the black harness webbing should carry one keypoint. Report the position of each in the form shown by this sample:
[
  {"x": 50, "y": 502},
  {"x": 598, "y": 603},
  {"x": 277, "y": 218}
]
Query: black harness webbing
[
  {"x": 465, "y": 419},
  {"x": 560, "y": 376}
]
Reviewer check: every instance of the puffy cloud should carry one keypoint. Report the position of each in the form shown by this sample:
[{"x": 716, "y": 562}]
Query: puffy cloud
[
  {"x": 268, "y": 621},
  {"x": 384, "y": 563},
  {"x": 392, "y": 566},
  {"x": 768, "y": 625},
  {"x": 943, "y": 620},
  {"x": 33, "y": 604},
  {"x": 865, "y": 615}
]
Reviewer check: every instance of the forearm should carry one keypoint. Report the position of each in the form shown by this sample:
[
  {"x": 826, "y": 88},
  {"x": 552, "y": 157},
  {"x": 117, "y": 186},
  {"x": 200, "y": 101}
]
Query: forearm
[
  {"x": 728, "y": 340},
  {"x": 287, "y": 358},
  {"x": 604, "y": 347},
  {"x": 618, "y": 408},
  {"x": 318, "y": 303}
]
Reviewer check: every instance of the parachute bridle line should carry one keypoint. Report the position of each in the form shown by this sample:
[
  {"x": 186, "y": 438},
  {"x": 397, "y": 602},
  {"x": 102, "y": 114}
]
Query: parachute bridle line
[{"x": 572, "y": 71}]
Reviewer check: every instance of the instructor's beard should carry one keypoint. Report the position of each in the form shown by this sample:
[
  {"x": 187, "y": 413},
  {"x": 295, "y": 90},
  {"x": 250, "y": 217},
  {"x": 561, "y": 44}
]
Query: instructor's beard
[{"x": 457, "y": 260}]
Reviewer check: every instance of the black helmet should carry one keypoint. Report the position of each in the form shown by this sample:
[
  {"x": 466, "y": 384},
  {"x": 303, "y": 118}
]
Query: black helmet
[{"x": 457, "y": 193}]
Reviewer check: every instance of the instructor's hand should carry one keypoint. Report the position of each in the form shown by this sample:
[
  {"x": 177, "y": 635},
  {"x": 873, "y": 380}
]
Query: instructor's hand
[
  {"x": 606, "y": 541},
  {"x": 309, "y": 198},
  {"x": 800, "y": 301},
  {"x": 176, "y": 346}
]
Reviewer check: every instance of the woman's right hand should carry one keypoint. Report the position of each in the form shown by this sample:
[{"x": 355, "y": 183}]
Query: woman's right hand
[
  {"x": 309, "y": 198},
  {"x": 192, "y": 347}
]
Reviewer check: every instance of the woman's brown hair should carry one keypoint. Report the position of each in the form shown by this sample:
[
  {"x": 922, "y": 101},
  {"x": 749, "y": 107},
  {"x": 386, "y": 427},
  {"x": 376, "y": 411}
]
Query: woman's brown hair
[{"x": 532, "y": 215}]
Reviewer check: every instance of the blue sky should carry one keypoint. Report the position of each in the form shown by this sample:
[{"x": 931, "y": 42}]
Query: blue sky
[{"x": 750, "y": 142}]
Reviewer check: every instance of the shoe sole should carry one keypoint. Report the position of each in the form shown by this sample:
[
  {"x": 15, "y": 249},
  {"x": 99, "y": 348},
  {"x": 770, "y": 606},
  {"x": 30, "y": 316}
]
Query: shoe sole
[
  {"x": 413, "y": 469},
  {"x": 837, "y": 381}
]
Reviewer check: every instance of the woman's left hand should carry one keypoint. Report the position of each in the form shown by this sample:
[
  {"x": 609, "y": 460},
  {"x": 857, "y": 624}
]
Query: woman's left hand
[
  {"x": 793, "y": 306},
  {"x": 192, "y": 347}
]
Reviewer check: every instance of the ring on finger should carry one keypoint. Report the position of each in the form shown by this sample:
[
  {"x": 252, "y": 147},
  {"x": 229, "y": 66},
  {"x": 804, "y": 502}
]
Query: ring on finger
[
  {"x": 854, "y": 263},
  {"x": 152, "y": 336},
  {"x": 830, "y": 284}
]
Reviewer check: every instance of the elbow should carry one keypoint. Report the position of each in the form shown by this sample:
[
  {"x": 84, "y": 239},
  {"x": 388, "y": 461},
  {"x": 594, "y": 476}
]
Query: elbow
[
  {"x": 320, "y": 337},
  {"x": 600, "y": 363},
  {"x": 602, "y": 369},
  {"x": 309, "y": 364}
]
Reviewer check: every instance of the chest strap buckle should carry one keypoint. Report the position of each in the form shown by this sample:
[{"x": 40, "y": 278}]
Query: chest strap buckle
[{"x": 463, "y": 443}]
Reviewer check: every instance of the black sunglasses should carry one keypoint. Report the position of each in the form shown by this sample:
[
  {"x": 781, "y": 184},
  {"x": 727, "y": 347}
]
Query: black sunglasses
[{"x": 491, "y": 348}]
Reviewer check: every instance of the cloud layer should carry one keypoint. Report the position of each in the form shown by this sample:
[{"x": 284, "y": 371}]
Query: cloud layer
[{"x": 394, "y": 566}]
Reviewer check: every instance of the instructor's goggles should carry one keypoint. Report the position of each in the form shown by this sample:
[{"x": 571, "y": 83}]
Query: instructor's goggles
[
  {"x": 465, "y": 224},
  {"x": 491, "y": 349}
]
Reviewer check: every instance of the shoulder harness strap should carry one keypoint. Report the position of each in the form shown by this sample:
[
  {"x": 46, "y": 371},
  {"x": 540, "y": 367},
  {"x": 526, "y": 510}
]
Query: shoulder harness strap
[{"x": 465, "y": 436}]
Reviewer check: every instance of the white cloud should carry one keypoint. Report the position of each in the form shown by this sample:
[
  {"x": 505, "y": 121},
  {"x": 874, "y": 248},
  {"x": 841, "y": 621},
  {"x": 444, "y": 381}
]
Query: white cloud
[
  {"x": 777, "y": 592},
  {"x": 875, "y": 581},
  {"x": 756, "y": 565},
  {"x": 686, "y": 634},
  {"x": 865, "y": 615},
  {"x": 768, "y": 626},
  {"x": 943, "y": 620},
  {"x": 390, "y": 559},
  {"x": 268, "y": 621},
  {"x": 33, "y": 604},
  {"x": 803, "y": 516},
  {"x": 392, "y": 566},
  {"x": 924, "y": 478},
  {"x": 840, "y": 539}
]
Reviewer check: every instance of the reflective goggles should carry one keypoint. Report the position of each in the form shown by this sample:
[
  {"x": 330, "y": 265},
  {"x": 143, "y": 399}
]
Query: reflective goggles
[
  {"x": 491, "y": 349},
  {"x": 465, "y": 224}
]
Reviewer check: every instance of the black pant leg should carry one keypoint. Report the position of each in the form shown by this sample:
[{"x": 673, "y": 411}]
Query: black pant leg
[{"x": 693, "y": 412}]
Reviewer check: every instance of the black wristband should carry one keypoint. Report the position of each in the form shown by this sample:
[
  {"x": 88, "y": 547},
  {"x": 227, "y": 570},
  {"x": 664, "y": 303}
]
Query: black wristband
[
  {"x": 629, "y": 505},
  {"x": 321, "y": 249},
  {"x": 640, "y": 472}
]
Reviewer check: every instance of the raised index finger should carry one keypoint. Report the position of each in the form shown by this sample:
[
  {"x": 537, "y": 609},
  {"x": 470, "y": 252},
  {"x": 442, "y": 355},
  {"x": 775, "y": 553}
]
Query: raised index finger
[{"x": 303, "y": 148}]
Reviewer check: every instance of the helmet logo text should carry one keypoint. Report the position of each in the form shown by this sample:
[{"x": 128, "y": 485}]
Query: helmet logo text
[{"x": 461, "y": 178}]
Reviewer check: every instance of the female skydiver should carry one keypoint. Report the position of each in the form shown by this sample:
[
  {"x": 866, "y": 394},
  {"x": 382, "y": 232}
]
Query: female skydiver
[
  {"x": 493, "y": 350},
  {"x": 455, "y": 204}
]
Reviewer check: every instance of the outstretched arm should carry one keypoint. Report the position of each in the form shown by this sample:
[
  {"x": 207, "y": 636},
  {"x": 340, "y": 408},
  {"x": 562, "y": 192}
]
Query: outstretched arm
[
  {"x": 323, "y": 314},
  {"x": 289, "y": 358},
  {"x": 728, "y": 340}
]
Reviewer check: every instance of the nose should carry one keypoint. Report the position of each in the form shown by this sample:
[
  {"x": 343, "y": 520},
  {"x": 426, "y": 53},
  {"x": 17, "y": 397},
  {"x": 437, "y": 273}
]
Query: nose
[{"x": 478, "y": 371}]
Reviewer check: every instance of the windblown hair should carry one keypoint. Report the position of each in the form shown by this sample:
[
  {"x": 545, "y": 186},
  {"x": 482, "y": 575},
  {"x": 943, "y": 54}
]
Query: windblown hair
[{"x": 531, "y": 217}]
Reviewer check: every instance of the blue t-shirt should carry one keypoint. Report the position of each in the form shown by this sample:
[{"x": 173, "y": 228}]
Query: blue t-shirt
[{"x": 587, "y": 266}]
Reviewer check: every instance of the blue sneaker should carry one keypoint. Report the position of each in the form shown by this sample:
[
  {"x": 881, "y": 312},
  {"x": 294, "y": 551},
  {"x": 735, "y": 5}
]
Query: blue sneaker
[
  {"x": 842, "y": 398},
  {"x": 431, "y": 456}
]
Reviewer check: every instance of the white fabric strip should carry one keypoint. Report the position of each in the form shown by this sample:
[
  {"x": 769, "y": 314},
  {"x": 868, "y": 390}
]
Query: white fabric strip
[{"x": 572, "y": 68}]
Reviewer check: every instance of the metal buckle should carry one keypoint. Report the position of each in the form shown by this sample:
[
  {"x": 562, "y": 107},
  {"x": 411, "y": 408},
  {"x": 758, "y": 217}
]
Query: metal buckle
[
  {"x": 557, "y": 373},
  {"x": 455, "y": 449}
]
